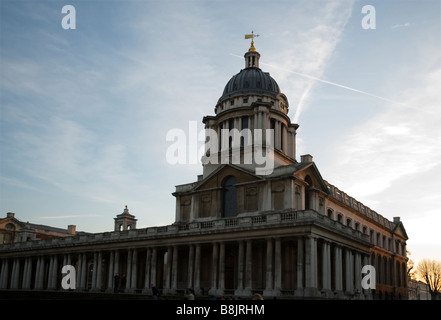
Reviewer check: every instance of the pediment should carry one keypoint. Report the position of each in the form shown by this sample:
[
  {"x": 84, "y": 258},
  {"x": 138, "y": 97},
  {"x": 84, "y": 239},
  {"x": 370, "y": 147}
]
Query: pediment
[
  {"x": 400, "y": 231},
  {"x": 217, "y": 177},
  {"x": 315, "y": 178},
  {"x": 6, "y": 223}
]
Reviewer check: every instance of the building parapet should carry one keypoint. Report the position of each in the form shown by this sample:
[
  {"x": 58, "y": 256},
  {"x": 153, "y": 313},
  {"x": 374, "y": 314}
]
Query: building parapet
[
  {"x": 264, "y": 220},
  {"x": 357, "y": 206}
]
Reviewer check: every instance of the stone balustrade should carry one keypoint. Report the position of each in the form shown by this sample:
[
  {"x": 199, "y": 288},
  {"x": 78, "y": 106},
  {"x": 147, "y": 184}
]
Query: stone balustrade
[{"x": 263, "y": 220}]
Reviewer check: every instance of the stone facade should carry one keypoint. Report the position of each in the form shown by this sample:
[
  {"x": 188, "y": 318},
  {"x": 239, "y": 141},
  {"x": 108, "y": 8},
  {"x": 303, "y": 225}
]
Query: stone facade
[
  {"x": 14, "y": 230},
  {"x": 285, "y": 232}
]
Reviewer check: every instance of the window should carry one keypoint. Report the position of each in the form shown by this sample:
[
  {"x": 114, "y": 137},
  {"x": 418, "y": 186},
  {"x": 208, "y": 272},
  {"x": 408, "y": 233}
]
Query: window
[
  {"x": 232, "y": 103},
  {"x": 330, "y": 213},
  {"x": 245, "y": 100},
  {"x": 229, "y": 207}
]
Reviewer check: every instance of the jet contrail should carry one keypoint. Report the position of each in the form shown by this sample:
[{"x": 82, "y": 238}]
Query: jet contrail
[{"x": 329, "y": 82}]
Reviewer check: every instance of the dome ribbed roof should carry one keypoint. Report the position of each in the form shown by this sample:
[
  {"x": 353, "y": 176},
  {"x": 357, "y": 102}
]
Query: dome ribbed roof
[{"x": 250, "y": 81}]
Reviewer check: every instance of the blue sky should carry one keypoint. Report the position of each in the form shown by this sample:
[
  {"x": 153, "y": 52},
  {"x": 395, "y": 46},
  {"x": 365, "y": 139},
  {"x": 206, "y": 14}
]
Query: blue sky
[{"x": 85, "y": 112}]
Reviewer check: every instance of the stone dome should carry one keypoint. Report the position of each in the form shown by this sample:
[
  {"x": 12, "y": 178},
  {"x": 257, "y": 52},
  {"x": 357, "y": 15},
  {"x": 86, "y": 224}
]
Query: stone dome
[{"x": 250, "y": 80}]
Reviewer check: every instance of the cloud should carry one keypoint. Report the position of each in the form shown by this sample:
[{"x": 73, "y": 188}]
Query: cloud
[
  {"x": 407, "y": 24},
  {"x": 70, "y": 216},
  {"x": 402, "y": 140},
  {"x": 307, "y": 50}
]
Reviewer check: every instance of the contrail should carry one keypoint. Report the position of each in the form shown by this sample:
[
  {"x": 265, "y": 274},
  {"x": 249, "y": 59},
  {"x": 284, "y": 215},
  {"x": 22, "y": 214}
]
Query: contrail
[{"x": 330, "y": 82}]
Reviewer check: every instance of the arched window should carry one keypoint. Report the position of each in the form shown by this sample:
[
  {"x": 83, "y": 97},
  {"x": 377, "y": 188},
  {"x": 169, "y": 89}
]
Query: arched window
[{"x": 229, "y": 198}]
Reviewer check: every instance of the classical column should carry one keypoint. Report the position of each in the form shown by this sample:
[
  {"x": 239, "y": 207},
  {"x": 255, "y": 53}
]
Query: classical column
[
  {"x": 248, "y": 268},
  {"x": 326, "y": 266},
  {"x": 168, "y": 270},
  {"x": 27, "y": 271},
  {"x": 39, "y": 278},
  {"x": 134, "y": 271},
  {"x": 269, "y": 268},
  {"x": 190, "y": 266},
  {"x": 99, "y": 271},
  {"x": 153, "y": 267},
  {"x": 311, "y": 266},
  {"x": 174, "y": 283},
  {"x": 49, "y": 273},
  {"x": 14, "y": 275},
  {"x": 37, "y": 274},
  {"x": 349, "y": 271},
  {"x": 300, "y": 257},
  {"x": 83, "y": 277},
  {"x": 95, "y": 262},
  {"x": 240, "y": 273},
  {"x": 4, "y": 274},
  {"x": 338, "y": 268},
  {"x": 214, "y": 268},
  {"x": 53, "y": 273},
  {"x": 277, "y": 267},
  {"x": 148, "y": 261},
  {"x": 111, "y": 271},
  {"x": 197, "y": 269},
  {"x": 128, "y": 271},
  {"x": 221, "y": 285},
  {"x": 357, "y": 272}
]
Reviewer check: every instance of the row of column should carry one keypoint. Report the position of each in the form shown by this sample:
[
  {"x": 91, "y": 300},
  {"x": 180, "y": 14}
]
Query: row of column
[{"x": 329, "y": 267}]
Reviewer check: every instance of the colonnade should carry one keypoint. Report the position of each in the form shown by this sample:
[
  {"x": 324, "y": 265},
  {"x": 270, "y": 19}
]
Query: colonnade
[{"x": 301, "y": 265}]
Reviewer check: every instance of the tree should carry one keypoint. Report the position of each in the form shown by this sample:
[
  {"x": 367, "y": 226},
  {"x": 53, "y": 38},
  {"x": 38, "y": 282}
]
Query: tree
[
  {"x": 430, "y": 271},
  {"x": 410, "y": 266}
]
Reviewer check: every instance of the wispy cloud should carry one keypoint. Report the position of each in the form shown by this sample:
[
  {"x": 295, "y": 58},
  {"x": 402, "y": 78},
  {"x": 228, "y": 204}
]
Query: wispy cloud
[
  {"x": 70, "y": 216},
  {"x": 407, "y": 24},
  {"x": 400, "y": 141},
  {"x": 306, "y": 51}
]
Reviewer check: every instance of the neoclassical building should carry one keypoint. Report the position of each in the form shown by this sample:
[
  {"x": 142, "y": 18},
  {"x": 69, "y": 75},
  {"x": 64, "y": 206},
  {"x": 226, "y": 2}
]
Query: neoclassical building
[{"x": 256, "y": 220}]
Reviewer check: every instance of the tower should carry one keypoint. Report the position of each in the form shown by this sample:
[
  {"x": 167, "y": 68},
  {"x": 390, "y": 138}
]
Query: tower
[
  {"x": 251, "y": 127},
  {"x": 250, "y": 151},
  {"x": 125, "y": 221}
]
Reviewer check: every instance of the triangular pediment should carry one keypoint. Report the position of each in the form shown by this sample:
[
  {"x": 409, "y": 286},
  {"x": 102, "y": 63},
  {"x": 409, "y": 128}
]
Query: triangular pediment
[
  {"x": 310, "y": 170},
  {"x": 217, "y": 177},
  {"x": 400, "y": 231}
]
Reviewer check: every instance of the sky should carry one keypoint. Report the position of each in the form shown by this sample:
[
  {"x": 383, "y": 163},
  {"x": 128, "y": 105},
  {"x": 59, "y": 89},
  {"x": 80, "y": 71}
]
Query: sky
[{"x": 84, "y": 112}]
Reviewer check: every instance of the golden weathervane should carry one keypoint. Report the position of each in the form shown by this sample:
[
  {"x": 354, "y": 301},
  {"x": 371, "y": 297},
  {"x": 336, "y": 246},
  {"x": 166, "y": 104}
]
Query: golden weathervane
[{"x": 251, "y": 36}]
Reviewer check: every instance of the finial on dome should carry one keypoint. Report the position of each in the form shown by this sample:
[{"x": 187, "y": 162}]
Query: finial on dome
[
  {"x": 252, "y": 56},
  {"x": 251, "y": 36}
]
